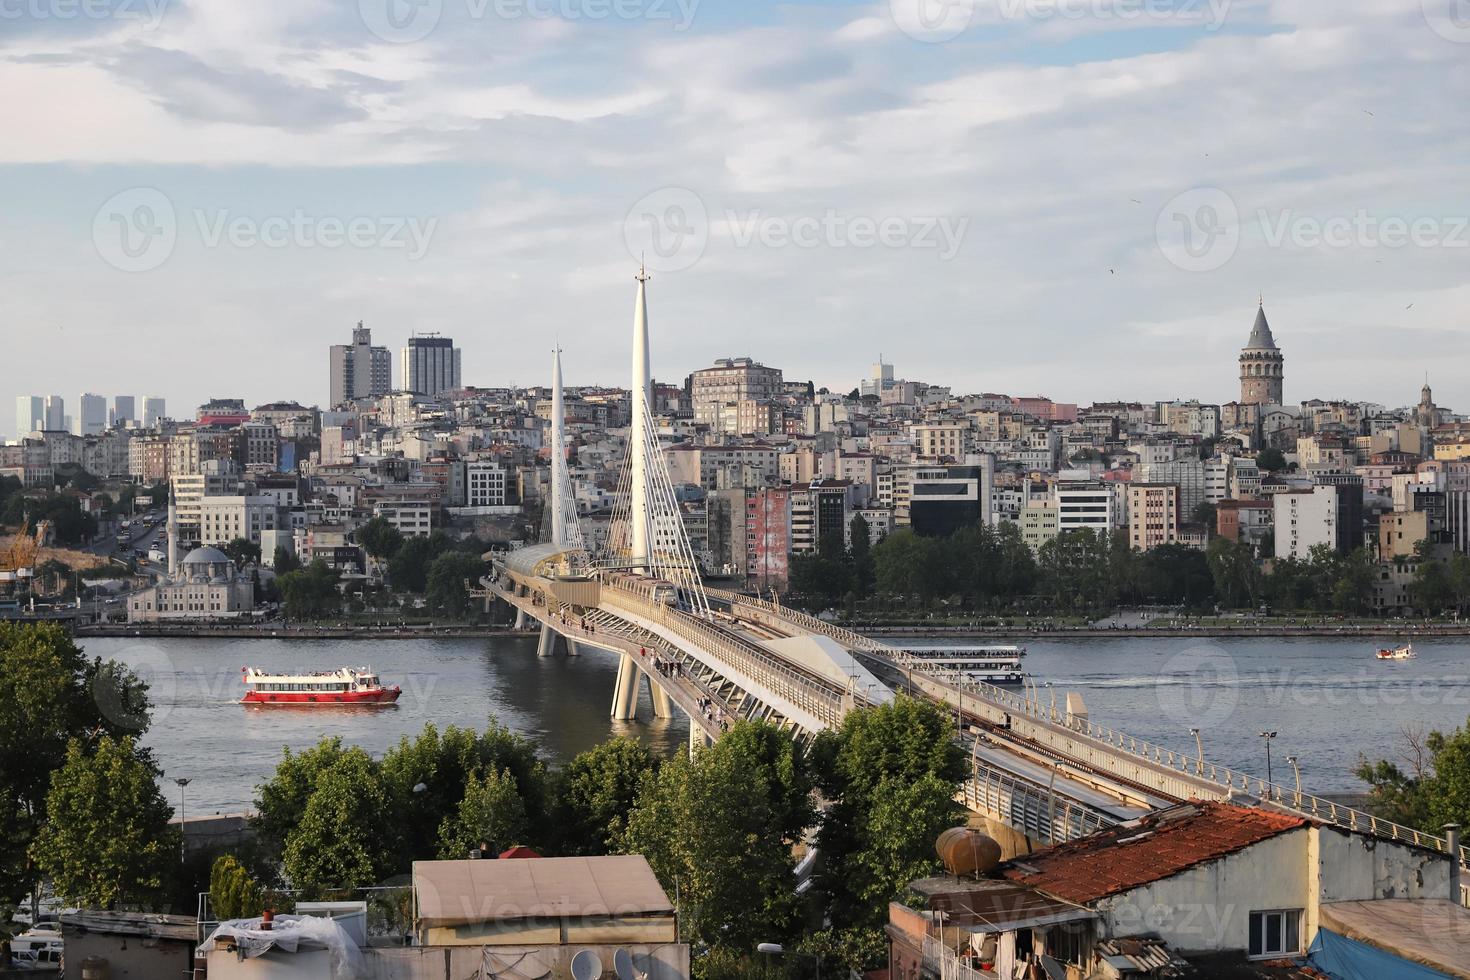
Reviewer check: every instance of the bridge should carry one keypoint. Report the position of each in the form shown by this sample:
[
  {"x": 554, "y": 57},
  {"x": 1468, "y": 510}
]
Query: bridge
[{"x": 1038, "y": 774}]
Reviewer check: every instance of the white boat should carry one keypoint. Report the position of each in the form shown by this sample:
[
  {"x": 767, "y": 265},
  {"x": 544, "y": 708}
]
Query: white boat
[
  {"x": 1405, "y": 652},
  {"x": 984, "y": 664}
]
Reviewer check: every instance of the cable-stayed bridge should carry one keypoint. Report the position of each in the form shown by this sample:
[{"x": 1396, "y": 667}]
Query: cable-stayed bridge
[{"x": 1038, "y": 774}]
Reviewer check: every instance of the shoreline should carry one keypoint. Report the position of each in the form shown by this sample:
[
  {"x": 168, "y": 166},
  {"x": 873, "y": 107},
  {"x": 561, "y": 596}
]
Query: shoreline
[{"x": 1263, "y": 631}]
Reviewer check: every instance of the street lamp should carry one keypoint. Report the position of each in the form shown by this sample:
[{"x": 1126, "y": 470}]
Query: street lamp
[
  {"x": 776, "y": 949},
  {"x": 181, "y": 782},
  {"x": 1199, "y": 753},
  {"x": 1267, "y": 736},
  {"x": 1297, "y": 770},
  {"x": 1053, "y": 692}
]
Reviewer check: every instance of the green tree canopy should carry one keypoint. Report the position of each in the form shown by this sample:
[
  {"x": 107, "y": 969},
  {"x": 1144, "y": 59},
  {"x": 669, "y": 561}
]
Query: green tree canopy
[
  {"x": 1432, "y": 791},
  {"x": 596, "y": 792},
  {"x": 50, "y": 695},
  {"x": 310, "y": 592},
  {"x": 106, "y": 842},
  {"x": 447, "y": 589},
  {"x": 491, "y": 812},
  {"x": 720, "y": 830},
  {"x": 344, "y": 839},
  {"x": 379, "y": 538},
  {"x": 233, "y": 893}
]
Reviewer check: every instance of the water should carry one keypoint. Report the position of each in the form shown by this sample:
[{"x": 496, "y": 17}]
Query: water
[
  {"x": 199, "y": 731},
  {"x": 1327, "y": 698}
]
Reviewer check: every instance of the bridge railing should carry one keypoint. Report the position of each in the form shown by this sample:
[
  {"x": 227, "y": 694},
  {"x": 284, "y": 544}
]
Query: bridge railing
[
  {"x": 1148, "y": 758},
  {"x": 1037, "y": 811},
  {"x": 822, "y": 702}
]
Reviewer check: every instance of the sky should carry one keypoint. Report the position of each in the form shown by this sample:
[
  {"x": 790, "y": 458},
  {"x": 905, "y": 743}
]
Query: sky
[{"x": 1077, "y": 198}]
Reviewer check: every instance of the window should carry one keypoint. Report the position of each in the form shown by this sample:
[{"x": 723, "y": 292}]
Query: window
[{"x": 1275, "y": 933}]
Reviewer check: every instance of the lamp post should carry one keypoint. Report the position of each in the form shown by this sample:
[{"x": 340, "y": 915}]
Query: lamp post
[
  {"x": 1053, "y": 692},
  {"x": 181, "y": 782},
  {"x": 1297, "y": 771},
  {"x": 1267, "y": 736},
  {"x": 1199, "y": 753},
  {"x": 776, "y": 949}
]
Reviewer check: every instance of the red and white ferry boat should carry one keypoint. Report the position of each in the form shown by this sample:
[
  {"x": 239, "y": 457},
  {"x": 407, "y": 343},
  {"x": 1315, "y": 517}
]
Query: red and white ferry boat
[{"x": 343, "y": 686}]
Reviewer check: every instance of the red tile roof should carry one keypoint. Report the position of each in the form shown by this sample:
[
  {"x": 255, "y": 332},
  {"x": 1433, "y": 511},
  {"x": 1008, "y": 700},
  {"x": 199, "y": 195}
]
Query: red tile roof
[{"x": 1151, "y": 849}]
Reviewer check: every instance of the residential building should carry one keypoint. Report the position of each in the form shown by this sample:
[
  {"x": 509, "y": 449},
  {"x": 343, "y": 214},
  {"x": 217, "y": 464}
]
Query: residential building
[
  {"x": 1305, "y": 519},
  {"x": 1399, "y": 532},
  {"x": 485, "y": 483},
  {"x": 1039, "y": 523},
  {"x": 1245, "y": 521},
  {"x": 430, "y": 365},
  {"x": 768, "y": 537},
  {"x": 28, "y": 461},
  {"x": 728, "y": 383},
  {"x": 359, "y": 370},
  {"x": 941, "y": 440},
  {"x": 1153, "y": 515}
]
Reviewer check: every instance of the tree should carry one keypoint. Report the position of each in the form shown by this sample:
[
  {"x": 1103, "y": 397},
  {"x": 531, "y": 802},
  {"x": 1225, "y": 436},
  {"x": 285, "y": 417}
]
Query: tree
[
  {"x": 285, "y": 560},
  {"x": 1431, "y": 588},
  {"x": 379, "y": 538},
  {"x": 241, "y": 551},
  {"x": 408, "y": 570},
  {"x": 443, "y": 766},
  {"x": 862, "y": 555},
  {"x": 491, "y": 812},
  {"x": 310, "y": 592},
  {"x": 233, "y": 893},
  {"x": 1271, "y": 460},
  {"x": 719, "y": 830},
  {"x": 891, "y": 774},
  {"x": 597, "y": 791},
  {"x": 344, "y": 839},
  {"x": 281, "y": 801},
  {"x": 50, "y": 695},
  {"x": 1207, "y": 514},
  {"x": 446, "y": 591},
  {"x": 106, "y": 842},
  {"x": 1434, "y": 791},
  {"x": 1237, "y": 580}
]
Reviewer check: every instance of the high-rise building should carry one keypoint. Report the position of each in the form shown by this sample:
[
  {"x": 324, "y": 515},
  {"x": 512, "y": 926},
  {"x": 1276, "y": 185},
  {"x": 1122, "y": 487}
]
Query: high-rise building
[
  {"x": 359, "y": 370},
  {"x": 430, "y": 365},
  {"x": 1261, "y": 365},
  {"x": 153, "y": 411},
  {"x": 30, "y": 415},
  {"x": 124, "y": 410},
  {"x": 55, "y": 413},
  {"x": 92, "y": 415}
]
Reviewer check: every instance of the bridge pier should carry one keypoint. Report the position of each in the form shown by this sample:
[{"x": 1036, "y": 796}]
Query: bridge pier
[
  {"x": 662, "y": 706},
  {"x": 546, "y": 645},
  {"x": 625, "y": 690},
  {"x": 520, "y": 618}
]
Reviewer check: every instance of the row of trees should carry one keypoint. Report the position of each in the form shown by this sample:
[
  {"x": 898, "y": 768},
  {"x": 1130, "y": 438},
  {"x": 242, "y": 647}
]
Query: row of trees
[
  {"x": 721, "y": 829},
  {"x": 992, "y": 569}
]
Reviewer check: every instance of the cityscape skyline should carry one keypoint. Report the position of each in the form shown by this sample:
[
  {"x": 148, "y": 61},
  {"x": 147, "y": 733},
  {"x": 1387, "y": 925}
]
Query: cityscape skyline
[{"x": 515, "y": 213}]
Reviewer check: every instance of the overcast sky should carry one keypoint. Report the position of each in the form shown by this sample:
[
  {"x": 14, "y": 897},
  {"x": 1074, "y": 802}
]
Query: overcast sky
[{"x": 1077, "y": 198}]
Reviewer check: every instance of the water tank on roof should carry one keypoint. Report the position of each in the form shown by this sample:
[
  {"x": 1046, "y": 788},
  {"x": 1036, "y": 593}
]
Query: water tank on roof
[{"x": 967, "y": 851}]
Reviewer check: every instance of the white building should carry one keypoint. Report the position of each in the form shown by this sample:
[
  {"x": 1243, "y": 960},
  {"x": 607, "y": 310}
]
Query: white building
[
  {"x": 206, "y": 586},
  {"x": 484, "y": 483},
  {"x": 30, "y": 415},
  {"x": 1085, "y": 505},
  {"x": 224, "y": 519},
  {"x": 1304, "y": 519}
]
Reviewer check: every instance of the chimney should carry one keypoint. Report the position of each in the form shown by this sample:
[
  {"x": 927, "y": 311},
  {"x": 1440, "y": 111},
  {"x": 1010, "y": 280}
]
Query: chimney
[{"x": 1452, "y": 844}]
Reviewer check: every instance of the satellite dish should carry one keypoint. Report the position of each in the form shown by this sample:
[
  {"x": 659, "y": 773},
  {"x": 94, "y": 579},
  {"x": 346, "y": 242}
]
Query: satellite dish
[
  {"x": 623, "y": 965},
  {"x": 586, "y": 965}
]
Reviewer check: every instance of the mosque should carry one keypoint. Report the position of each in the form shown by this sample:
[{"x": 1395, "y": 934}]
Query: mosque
[{"x": 204, "y": 585}]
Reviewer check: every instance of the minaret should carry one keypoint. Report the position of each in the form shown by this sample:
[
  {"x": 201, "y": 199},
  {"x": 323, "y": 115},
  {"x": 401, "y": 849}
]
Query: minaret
[
  {"x": 558, "y": 455},
  {"x": 642, "y": 395},
  {"x": 173, "y": 533},
  {"x": 1261, "y": 365}
]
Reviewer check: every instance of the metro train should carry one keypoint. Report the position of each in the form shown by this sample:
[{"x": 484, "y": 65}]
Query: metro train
[{"x": 656, "y": 590}]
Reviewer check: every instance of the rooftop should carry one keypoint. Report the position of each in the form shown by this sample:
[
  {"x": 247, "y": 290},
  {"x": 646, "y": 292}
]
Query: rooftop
[
  {"x": 1149, "y": 849},
  {"x": 1429, "y": 932},
  {"x": 456, "y": 893}
]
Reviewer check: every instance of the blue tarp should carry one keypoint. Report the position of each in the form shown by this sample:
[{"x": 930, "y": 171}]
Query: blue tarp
[{"x": 1347, "y": 959}]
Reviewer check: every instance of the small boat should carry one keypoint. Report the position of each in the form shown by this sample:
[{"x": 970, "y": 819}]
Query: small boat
[
  {"x": 343, "y": 686},
  {"x": 1405, "y": 652}
]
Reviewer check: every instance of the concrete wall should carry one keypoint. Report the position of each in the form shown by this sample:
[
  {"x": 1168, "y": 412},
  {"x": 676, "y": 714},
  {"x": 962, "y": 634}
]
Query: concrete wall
[
  {"x": 128, "y": 957},
  {"x": 663, "y": 961}
]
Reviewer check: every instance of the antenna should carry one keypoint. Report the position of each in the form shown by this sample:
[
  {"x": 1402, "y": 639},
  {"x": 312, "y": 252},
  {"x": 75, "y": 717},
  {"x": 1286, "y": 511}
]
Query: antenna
[{"x": 586, "y": 965}]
